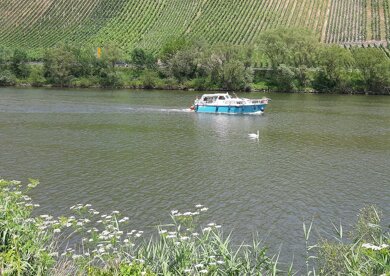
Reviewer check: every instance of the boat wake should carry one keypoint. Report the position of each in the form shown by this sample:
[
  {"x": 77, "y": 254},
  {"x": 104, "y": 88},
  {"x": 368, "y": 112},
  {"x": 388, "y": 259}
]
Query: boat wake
[{"x": 160, "y": 110}]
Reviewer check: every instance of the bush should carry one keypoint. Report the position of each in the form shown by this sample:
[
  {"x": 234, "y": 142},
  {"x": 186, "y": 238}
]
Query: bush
[
  {"x": 7, "y": 78},
  {"x": 37, "y": 78},
  {"x": 149, "y": 79}
]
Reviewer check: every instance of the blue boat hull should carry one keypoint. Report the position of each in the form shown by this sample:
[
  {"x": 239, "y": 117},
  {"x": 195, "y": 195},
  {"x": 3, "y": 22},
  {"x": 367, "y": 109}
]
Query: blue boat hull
[{"x": 243, "y": 109}]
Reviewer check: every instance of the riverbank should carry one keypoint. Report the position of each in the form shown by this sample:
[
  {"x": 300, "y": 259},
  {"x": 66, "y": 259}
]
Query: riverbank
[
  {"x": 186, "y": 246},
  {"x": 189, "y": 87},
  {"x": 287, "y": 60}
]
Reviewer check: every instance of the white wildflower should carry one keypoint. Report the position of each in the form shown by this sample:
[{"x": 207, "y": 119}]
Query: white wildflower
[
  {"x": 174, "y": 212},
  {"x": 54, "y": 254},
  {"x": 57, "y": 230},
  {"x": 203, "y": 271},
  {"x": 206, "y": 229},
  {"x": 204, "y": 209},
  {"x": 198, "y": 265},
  {"x": 162, "y": 232},
  {"x": 199, "y": 206}
]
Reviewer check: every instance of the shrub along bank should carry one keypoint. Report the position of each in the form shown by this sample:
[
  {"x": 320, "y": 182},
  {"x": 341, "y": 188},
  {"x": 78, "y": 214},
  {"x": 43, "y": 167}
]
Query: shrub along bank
[
  {"x": 43, "y": 245},
  {"x": 287, "y": 60}
]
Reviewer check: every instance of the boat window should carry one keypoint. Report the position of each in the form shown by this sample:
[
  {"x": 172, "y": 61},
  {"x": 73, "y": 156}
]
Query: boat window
[{"x": 221, "y": 97}]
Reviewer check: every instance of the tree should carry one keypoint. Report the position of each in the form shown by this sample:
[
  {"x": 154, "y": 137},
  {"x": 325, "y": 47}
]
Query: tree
[
  {"x": 5, "y": 56},
  {"x": 292, "y": 47},
  {"x": 19, "y": 64},
  {"x": 334, "y": 62},
  {"x": 236, "y": 76},
  {"x": 142, "y": 59},
  {"x": 183, "y": 65},
  {"x": 285, "y": 77},
  {"x": 172, "y": 46},
  {"x": 58, "y": 65},
  {"x": 374, "y": 67},
  {"x": 112, "y": 54}
]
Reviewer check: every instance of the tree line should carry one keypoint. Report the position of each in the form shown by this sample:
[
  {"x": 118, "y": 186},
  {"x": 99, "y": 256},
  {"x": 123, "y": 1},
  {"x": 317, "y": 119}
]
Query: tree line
[{"x": 288, "y": 60}]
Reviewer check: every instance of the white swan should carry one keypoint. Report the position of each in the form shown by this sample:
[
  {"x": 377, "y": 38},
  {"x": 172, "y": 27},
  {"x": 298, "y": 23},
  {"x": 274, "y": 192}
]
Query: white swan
[{"x": 254, "y": 135}]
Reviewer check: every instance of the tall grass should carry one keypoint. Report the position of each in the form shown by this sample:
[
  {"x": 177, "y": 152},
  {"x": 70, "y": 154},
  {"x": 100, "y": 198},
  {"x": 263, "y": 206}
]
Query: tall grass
[{"x": 91, "y": 243}]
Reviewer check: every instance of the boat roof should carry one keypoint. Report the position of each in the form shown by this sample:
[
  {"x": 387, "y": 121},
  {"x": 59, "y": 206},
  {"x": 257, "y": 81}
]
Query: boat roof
[{"x": 215, "y": 94}]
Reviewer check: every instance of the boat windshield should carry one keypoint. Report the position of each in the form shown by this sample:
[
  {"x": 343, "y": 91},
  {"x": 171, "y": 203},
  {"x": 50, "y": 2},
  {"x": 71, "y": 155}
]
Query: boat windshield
[{"x": 213, "y": 98}]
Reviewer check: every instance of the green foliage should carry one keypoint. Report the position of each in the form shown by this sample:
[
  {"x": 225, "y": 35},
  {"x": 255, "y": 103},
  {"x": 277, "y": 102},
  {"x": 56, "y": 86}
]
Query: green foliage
[
  {"x": 25, "y": 242},
  {"x": 172, "y": 46},
  {"x": 142, "y": 59},
  {"x": 292, "y": 47},
  {"x": 59, "y": 64},
  {"x": 7, "y": 78},
  {"x": 369, "y": 254},
  {"x": 5, "y": 55},
  {"x": 335, "y": 63},
  {"x": 183, "y": 65},
  {"x": 236, "y": 76},
  {"x": 37, "y": 78},
  {"x": 111, "y": 54},
  {"x": 149, "y": 79},
  {"x": 18, "y": 64},
  {"x": 374, "y": 67},
  {"x": 285, "y": 78},
  {"x": 188, "y": 245}
]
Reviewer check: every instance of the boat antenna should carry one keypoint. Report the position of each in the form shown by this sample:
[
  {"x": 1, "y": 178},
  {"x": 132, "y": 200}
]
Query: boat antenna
[{"x": 234, "y": 93}]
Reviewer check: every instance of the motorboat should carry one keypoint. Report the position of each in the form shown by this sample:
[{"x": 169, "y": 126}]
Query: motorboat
[{"x": 225, "y": 103}]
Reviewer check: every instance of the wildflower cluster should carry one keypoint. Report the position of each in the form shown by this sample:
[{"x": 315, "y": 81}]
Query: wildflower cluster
[{"x": 375, "y": 247}]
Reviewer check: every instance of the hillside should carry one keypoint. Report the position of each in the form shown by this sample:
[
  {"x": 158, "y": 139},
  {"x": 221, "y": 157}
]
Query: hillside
[{"x": 150, "y": 23}]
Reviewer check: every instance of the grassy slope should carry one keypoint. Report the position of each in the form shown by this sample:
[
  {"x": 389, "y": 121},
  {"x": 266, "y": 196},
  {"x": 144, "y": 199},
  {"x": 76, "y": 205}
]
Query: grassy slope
[{"x": 150, "y": 23}]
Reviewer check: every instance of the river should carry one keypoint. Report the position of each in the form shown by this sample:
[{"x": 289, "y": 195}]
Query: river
[{"x": 319, "y": 157}]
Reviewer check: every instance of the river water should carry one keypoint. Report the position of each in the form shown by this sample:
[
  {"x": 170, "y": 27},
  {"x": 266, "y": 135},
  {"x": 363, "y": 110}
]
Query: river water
[{"x": 319, "y": 157}]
